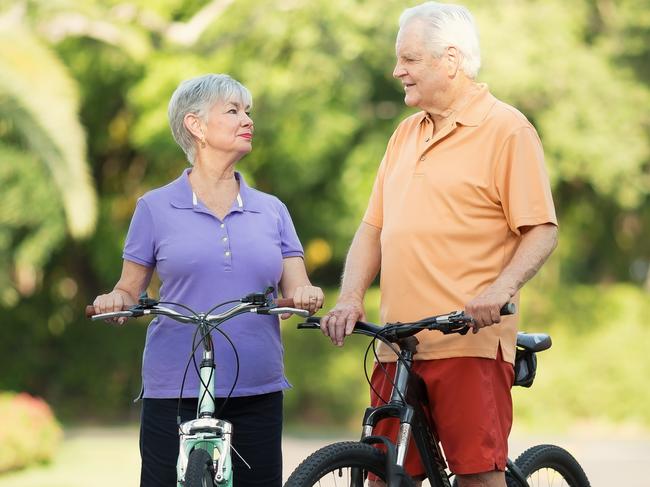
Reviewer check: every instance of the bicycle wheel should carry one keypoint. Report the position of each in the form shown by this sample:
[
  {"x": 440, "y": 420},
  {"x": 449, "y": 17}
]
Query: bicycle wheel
[
  {"x": 200, "y": 470},
  {"x": 551, "y": 466},
  {"x": 340, "y": 464}
]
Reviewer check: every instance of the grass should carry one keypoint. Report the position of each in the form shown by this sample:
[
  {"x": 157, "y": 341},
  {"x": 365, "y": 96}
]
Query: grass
[{"x": 99, "y": 457}]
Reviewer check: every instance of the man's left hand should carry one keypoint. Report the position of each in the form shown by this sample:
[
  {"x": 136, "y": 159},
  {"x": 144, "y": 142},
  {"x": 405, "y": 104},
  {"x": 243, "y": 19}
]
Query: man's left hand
[{"x": 485, "y": 308}]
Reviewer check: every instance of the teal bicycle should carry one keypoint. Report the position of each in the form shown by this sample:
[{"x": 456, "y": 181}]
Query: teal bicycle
[{"x": 204, "y": 458}]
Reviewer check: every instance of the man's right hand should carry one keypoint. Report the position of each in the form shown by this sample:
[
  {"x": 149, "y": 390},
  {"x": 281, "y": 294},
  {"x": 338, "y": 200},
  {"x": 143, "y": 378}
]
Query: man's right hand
[{"x": 340, "y": 320}]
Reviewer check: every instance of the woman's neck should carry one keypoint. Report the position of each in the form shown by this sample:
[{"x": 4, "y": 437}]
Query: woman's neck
[{"x": 212, "y": 175}]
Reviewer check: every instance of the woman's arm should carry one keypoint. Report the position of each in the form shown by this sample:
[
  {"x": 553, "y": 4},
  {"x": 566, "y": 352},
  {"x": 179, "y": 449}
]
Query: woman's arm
[
  {"x": 134, "y": 279},
  {"x": 295, "y": 284}
]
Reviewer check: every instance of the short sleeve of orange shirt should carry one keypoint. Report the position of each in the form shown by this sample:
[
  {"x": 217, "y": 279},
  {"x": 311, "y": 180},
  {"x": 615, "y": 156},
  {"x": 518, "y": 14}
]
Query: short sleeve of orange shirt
[{"x": 450, "y": 205}]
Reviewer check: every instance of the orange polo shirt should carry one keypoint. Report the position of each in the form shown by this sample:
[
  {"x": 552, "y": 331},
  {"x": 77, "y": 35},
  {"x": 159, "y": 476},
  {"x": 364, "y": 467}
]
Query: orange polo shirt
[{"x": 450, "y": 204}]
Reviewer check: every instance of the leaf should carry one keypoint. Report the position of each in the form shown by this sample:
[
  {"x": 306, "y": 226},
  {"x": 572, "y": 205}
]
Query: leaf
[{"x": 41, "y": 98}]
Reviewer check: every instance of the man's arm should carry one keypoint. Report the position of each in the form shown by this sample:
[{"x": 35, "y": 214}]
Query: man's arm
[
  {"x": 537, "y": 243},
  {"x": 361, "y": 267}
]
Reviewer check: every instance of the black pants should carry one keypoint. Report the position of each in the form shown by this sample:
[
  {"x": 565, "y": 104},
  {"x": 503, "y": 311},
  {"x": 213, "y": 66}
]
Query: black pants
[{"x": 257, "y": 435}]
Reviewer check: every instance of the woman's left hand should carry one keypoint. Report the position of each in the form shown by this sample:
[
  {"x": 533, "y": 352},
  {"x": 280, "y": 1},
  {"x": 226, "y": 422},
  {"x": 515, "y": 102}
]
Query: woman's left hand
[{"x": 307, "y": 297}]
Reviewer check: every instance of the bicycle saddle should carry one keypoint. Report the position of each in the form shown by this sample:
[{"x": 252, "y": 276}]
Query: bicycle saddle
[{"x": 534, "y": 342}]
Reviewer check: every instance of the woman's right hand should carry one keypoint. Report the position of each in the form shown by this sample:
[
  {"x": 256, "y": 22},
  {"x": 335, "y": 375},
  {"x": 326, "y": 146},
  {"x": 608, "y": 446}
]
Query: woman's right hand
[{"x": 116, "y": 300}]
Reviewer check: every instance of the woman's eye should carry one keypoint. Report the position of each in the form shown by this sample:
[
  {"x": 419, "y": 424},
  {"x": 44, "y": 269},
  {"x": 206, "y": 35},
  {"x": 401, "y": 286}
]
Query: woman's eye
[
  {"x": 248, "y": 114},
  {"x": 232, "y": 110}
]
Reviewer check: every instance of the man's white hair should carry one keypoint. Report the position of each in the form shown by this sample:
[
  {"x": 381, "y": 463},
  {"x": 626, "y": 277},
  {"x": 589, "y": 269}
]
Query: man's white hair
[
  {"x": 447, "y": 25},
  {"x": 197, "y": 96}
]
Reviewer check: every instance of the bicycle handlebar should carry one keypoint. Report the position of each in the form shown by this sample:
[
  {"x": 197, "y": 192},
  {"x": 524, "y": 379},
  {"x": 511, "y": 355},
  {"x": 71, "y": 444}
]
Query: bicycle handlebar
[
  {"x": 454, "y": 322},
  {"x": 275, "y": 307}
]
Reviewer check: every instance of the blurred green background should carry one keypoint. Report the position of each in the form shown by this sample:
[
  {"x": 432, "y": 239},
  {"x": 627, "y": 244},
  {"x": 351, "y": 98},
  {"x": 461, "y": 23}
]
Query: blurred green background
[{"x": 84, "y": 87}]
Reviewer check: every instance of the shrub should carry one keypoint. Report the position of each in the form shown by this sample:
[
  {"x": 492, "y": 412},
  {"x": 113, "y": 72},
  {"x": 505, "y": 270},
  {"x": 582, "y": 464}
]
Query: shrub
[{"x": 29, "y": 434}]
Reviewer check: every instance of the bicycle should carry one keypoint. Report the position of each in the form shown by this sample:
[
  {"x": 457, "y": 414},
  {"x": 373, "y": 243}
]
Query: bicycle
[
  {"x": 357, "y": 459},
  {"x": 204, "y": 458}
]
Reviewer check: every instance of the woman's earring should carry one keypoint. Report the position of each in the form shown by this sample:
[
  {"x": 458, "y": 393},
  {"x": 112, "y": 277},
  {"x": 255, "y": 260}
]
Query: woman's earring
[{"x": 202, "y": 143}]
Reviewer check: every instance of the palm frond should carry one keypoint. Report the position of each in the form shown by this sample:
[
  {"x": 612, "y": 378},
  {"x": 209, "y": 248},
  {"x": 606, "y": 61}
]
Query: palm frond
[{"x": 41, "y": 98}]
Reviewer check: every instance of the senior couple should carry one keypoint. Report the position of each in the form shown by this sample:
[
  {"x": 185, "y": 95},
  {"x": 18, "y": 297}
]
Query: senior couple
[{"x": 468, "y": 162}]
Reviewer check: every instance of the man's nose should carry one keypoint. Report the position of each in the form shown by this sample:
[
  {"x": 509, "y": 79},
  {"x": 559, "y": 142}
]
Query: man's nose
[{"x": 399, "y": 71}]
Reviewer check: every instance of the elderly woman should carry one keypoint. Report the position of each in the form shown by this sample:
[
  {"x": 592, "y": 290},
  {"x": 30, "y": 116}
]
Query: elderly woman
[{"x": 211, "y": 238}]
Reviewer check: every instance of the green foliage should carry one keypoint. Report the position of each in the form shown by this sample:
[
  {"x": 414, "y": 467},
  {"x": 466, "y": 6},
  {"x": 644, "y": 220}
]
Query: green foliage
[
  {"x": 598, "y": 365},
  {"x": 30, "y": 433},
  {"x": 39, "y": 97},
  {"x": 325, "y": 105}
]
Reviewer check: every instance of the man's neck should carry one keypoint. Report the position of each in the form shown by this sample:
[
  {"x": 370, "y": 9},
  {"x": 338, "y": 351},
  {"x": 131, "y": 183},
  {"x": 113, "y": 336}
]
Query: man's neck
[{"x": 456, "y": 99}]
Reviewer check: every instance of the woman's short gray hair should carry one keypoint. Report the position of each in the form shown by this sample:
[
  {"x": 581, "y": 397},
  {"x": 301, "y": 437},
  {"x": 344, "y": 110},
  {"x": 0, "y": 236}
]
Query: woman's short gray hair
[
  {"x": 197, "y": 96},
  {"x": 448, "y": 25}
]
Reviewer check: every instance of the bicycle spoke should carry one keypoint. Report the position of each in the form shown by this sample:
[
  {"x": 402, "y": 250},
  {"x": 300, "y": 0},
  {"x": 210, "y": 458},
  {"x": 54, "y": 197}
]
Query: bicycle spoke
[{"x": 548, "y": 477}]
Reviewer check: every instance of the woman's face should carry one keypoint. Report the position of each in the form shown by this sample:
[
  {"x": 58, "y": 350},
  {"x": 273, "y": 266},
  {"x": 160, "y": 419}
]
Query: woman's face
[{"x": 229, "y": 127}]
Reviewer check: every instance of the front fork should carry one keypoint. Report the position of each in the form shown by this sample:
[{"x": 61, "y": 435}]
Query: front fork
[
  {"x": 212, "y": 435},
  {"x": 206, "y": 432}
]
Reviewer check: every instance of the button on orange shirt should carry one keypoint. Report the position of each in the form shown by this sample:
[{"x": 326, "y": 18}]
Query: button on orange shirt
[{"x": 450, "y": 205}]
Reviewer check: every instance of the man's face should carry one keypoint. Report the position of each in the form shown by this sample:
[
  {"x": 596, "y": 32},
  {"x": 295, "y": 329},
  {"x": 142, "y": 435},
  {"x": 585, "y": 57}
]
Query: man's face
[{"x": 421, "y": 74}]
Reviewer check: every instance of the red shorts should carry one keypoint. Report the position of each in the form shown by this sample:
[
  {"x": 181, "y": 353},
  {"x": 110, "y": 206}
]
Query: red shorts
[{"x": 471, "y": 407}]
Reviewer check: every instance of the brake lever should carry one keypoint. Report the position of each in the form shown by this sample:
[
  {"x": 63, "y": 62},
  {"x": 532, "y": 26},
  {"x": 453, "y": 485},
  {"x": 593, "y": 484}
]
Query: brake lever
[{"x": 145, "y": 302}]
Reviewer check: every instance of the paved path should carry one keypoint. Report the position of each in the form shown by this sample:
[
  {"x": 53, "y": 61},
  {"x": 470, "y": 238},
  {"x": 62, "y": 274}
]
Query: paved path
[
  {"x": 620, "y": 462},
  {"x": 108, "y": 457}
]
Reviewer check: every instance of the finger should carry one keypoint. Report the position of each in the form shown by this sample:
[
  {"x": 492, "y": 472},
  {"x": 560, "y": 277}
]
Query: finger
[
  {"x": 297, "y": 298},
  {"x": 323, "y": 324},
  {"x": 495, "y": 315},
  {"x": 313, "y": 303},
  {"x": 349, "y": 324},
  {"x": 121, "y": 321},
  {"x": 340, "y": 330},
  {"x": 320, "y": 300},
  {"x": 308, "y": 300},
  {"x": 333, "y": 329},
  {"x": 285, "y": 316}
]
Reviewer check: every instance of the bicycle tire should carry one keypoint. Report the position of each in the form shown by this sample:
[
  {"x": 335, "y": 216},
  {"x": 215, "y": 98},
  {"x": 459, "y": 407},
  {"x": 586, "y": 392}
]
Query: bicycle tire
[
  {"x": 553, "y": 464},
  {"x": 200, "y": 469},
  {"x": 322, "y": 466}
]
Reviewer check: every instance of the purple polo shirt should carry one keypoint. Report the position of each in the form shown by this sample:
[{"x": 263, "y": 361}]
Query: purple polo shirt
[{"x": 203, "y": 261}]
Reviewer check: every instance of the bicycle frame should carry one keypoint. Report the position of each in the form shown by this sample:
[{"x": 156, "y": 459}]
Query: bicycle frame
[
  {"x": 408, "y": 403},
  {"x": 205, "y": 432}
]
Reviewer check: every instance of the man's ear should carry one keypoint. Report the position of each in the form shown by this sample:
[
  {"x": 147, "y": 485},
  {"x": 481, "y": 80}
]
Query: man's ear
[
  {"x": 194, "y": 125},
  {"x": 453, "y": 59}
]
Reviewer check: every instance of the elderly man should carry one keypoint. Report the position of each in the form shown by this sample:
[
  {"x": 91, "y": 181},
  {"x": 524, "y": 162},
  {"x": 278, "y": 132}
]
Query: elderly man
[{"x": 460, "y": 216}]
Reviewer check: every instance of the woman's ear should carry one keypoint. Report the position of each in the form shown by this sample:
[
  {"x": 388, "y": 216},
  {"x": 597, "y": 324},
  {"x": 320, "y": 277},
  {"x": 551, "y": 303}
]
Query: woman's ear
[{"x": 194, "y": 125}]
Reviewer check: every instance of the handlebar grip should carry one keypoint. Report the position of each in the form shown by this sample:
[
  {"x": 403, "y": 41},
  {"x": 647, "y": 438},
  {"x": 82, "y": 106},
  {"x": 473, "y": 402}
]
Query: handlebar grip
[
  {"x": 284, "y": 303},
  {"x": 90, "y": 311},
  {"x": 508, "y": 309}
]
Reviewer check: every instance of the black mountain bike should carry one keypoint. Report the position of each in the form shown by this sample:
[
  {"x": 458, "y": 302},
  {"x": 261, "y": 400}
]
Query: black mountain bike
[{"x": 349, "y": 463}]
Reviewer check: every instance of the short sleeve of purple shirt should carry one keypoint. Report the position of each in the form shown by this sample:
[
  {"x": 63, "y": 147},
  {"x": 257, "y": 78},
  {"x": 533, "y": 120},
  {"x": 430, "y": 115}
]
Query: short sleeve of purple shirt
[
  {"x": 289, "y": 238},
  {"x": 139, "y": 245},
  {"x": 202, "y": 261}
]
